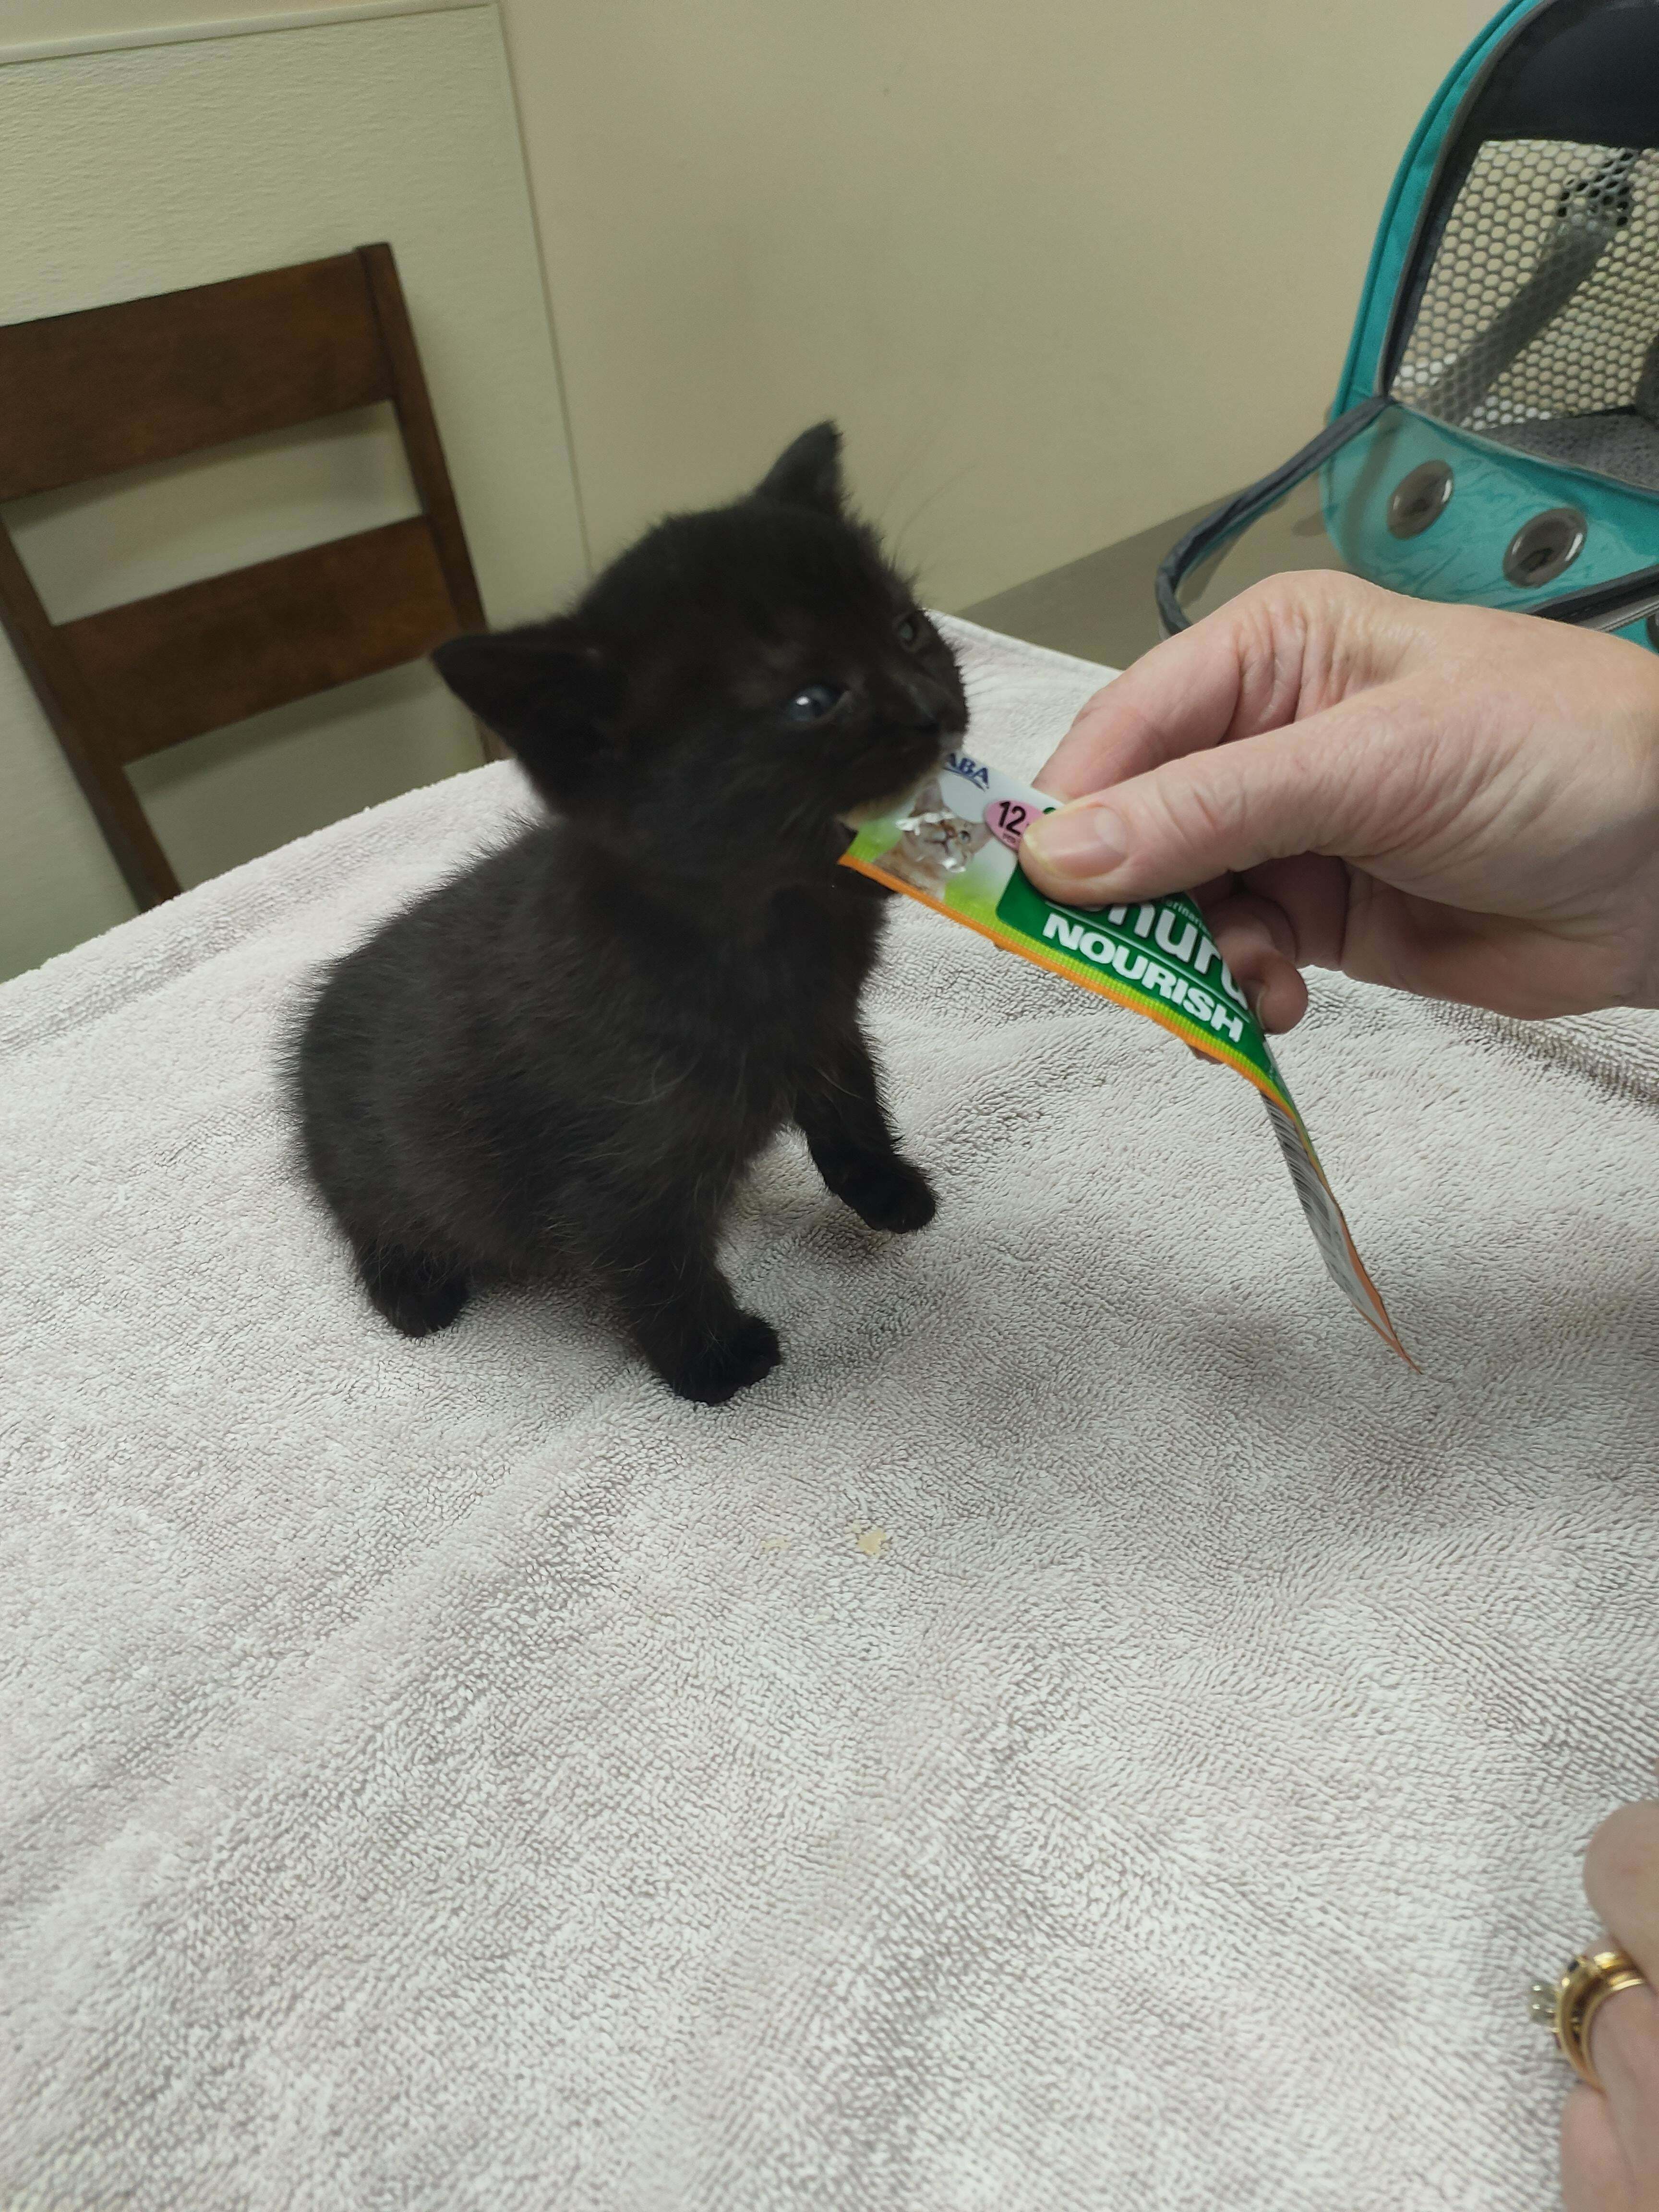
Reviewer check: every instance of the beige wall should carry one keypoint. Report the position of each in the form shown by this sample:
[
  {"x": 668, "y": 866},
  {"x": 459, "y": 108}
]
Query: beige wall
[{"x": 1061, "y": 268}]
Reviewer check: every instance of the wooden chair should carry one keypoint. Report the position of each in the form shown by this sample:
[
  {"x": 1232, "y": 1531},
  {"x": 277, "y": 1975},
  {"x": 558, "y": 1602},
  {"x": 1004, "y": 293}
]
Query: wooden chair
[{"x": 115, "y": 388}]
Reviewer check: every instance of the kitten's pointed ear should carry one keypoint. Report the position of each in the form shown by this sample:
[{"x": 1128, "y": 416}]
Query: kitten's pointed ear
[
  {"x": 548, "y": 689},
  {"x": 808, "y": 473}
]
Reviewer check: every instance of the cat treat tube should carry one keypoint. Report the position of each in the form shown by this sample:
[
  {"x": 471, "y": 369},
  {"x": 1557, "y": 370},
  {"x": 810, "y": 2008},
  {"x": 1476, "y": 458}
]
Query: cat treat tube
[{"x": 952, "y": 843}]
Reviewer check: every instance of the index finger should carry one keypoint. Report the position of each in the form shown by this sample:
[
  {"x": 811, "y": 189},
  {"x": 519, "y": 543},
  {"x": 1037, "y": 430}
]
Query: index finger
[
  {"x": 1181, "y": 695},
  {"x": 1622, "y": 1881},
  {"x": 1278, "y": 652}
]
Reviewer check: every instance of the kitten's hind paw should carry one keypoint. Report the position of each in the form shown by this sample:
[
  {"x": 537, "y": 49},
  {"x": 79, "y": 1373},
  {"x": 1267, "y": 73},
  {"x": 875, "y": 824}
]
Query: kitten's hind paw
[
  {"x": 415, "y": 1292},
  {"x": 710, "y": 1373},
  {"x": 884, "y": 1191}
]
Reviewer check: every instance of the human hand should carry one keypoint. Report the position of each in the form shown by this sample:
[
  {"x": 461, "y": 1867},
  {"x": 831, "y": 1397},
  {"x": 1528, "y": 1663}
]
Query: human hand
[
  {"x": 1610, "y": 2136},
  {"x": 1447, "y": 800}
]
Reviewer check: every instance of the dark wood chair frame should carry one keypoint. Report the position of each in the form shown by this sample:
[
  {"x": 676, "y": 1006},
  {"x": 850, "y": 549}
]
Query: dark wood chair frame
[{"x": 89, "y": 394}]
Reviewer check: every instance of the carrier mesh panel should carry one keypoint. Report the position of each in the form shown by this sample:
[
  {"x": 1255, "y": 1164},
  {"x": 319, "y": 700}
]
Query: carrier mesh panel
[{"x": 1542, "y": 305}]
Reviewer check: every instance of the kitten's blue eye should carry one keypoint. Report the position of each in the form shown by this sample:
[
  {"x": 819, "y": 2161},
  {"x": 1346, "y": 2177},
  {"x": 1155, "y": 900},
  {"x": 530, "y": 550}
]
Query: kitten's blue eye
[
  {"x": 908, "y": 630},
  {"x": 813, "y": 702}
]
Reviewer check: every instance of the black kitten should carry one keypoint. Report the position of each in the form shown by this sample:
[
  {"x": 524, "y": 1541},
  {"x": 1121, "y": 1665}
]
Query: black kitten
[{"x": 571, "y": 1052}]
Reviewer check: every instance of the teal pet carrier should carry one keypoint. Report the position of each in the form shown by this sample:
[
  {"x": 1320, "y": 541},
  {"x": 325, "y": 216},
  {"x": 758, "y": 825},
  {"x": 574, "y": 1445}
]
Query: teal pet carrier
[{"x": 1495, "y": 436}]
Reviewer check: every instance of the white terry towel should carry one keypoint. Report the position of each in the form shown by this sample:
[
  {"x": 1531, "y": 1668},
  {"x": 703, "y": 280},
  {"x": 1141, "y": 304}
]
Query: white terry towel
[{"x": 1092, "y": 1730}]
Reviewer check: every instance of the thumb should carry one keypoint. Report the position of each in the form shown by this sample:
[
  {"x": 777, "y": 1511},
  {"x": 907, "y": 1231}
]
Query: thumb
[{"x": 1329, "y": 785}]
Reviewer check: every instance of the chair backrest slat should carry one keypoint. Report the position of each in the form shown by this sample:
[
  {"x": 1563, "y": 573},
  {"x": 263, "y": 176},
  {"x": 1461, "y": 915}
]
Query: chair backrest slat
[
  {"x": 88, "y": 395},
  {"x": 111, "y": 388},
  {"x": 164, "y": 669}
]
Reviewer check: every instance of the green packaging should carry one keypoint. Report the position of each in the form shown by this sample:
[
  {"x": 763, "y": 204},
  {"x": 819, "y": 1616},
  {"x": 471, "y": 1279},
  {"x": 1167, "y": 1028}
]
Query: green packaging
[{"x": 951, "y": 843}]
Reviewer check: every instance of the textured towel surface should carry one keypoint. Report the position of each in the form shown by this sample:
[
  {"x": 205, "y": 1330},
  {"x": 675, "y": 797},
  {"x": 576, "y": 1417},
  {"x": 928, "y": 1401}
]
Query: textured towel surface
[{"x": 1091, "y": 1730}]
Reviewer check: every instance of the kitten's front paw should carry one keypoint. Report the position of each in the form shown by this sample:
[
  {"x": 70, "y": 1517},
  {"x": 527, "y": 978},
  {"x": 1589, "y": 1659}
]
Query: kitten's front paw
[
  {"x": 422, "y": 1312},
  {"x": 417, "y": 1295},
  {"x": 710, "y": 1374},
  {"x": 886, "y": 1192}
]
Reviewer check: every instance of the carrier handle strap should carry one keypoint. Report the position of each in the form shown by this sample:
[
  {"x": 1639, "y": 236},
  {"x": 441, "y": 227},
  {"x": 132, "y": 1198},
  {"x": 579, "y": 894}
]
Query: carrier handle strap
[{"x": 1213, "y": 533}]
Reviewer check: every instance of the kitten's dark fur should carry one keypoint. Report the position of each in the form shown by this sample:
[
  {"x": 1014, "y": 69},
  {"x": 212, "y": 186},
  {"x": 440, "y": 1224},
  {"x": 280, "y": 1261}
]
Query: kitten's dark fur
[{"x": 571, "y": 1052}]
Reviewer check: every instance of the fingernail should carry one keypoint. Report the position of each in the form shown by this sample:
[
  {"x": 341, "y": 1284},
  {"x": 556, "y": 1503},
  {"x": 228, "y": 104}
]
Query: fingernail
[{"x": 1079, "y": 840}]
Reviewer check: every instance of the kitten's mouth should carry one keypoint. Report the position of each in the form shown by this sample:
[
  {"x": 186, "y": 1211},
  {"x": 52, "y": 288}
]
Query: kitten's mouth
[
  {"x": 873, "y": 810},
  {"x": 890, "y": 799}
]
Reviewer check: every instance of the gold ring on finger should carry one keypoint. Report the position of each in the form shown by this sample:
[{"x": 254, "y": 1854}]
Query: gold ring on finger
[{"x": 1568, "y": 2006}]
